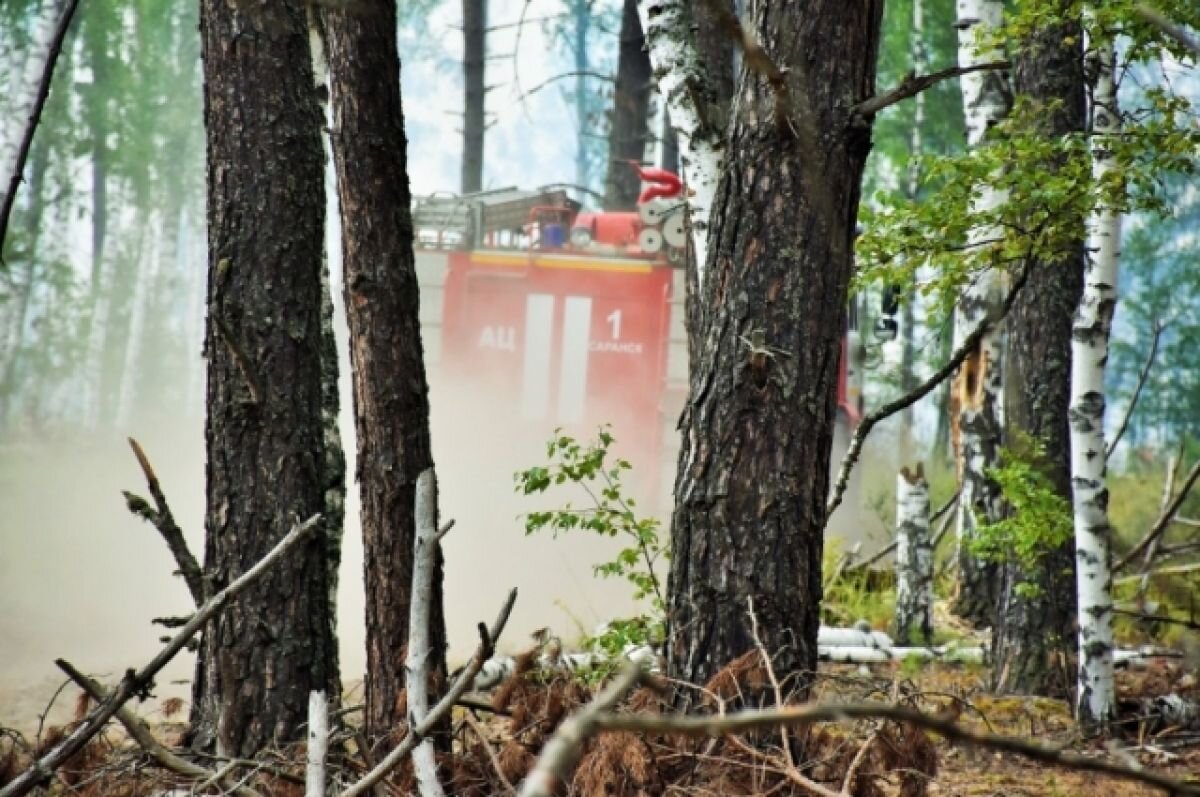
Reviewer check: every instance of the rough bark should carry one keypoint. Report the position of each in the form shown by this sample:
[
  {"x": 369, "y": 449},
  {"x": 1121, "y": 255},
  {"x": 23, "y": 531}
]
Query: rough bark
[
  {"x": 757, "y": 431},
  {"x": 1089, "y": 353},
  {"x": 474, "y": 93},
  {"x": 391, "y": 401},
  {"x": 630, "y": 127},
  {"x": 266, "y": 455},
  {"x": 1033, "y": 635},
  {"x": 914, "y": 559},
  {"x": 977, "y": 401}
]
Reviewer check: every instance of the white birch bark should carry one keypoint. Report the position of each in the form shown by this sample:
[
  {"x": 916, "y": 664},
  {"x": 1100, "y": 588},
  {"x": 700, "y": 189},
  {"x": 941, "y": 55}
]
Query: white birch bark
[
  {"x": 682, "y": 80},
  {"x": 24, "y": 91},
  {"x": 318, "y": 745},
  {"x": 1089, "y": 353},
  {"x": 419, "y": 648},
  {"x": 986, "y": 100},
  {"x": 914, "y": 560}
]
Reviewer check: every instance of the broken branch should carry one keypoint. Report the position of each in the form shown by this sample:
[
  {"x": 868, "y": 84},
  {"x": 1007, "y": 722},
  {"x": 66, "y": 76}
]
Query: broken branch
[
  {"x": 164, "y": 521},
  {"x": 1143, "y": 375}
]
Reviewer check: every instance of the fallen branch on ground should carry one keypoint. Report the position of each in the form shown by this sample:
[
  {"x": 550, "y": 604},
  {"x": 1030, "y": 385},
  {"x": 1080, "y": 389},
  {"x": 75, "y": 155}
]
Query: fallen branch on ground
[
  {"x": 969, "y": 344},
  {"x": 763, "y": 719},
  {"x": 487, "y": 643},
  {"x": 162, "y": 519},
  {"x": 145, "y": 739},
  {"x": 137, "y": 683}
]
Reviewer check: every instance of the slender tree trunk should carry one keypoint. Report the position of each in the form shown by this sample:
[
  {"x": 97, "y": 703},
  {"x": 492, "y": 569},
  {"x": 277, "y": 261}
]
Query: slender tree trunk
[
  {"x": 12, "y": 350},
  {"x": 264, "y": 433},
  {"x": 581, "y": 17},
  {"x": 630, "y": 128},
  {"x": 908, "y": 352},
  {"x": 391, "y": 403},
  {"x": 758, "y": 428},
  {"x": 24, "y": 82},
  {"x": 914, "y": 559},
  {"x": 1089, "y": 353},
  {"x": 670, "y": 145},
  {"x": 686, "y": 85},
  {"x": 978, "y": 385},
  {"x": 475, "y": 93},
  {"x": 1034, "y": 632}
]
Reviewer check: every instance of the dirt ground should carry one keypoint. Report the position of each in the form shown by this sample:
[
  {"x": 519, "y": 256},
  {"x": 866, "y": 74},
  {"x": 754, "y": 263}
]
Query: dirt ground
[{"x": 619, "y": 764}]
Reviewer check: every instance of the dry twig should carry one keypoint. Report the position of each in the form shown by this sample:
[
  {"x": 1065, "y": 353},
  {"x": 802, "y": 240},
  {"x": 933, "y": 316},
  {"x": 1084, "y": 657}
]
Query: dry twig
[
  {"x": 164, "y": 521},
  {"x": 136, "y": 683},
  {"x": 141, "y": 734},
  {"x": 1164, "y": 518},
  {"x": 487, "y": 645}
]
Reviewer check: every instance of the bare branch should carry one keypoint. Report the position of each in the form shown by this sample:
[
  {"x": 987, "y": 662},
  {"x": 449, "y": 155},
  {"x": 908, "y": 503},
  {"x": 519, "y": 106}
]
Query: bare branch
[
  {"x": 1164, "y": 518},
  {"x": 564, "y": 76},
  {"x": 562, "y": 751},
  {"x": 969, "y": 344},
  {"x": 913, "y": 85},
  {"x": 751, "y": 720},
  {"x": 1168, "y": 27},
  {"x": 1159, "y": 326},
  {"x": 35, "y": 117},
  {"x": 487, "y": 645},
  {"x": 136, "y": 683},
  {"x": 891, "y": 546},
  {"x": 141, "y": 734},
  {"x": 164, "y": 521}
]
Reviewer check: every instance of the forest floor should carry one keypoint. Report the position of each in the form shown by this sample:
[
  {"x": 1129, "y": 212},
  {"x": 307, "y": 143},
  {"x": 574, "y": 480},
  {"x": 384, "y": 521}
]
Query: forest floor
[{"x": 628, "y": 766}]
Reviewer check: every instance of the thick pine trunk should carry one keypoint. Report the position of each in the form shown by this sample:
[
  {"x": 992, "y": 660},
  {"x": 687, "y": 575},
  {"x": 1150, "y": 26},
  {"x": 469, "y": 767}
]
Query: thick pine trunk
[
  {"x": 630, "y": 127},
  {"x": 1034, "y": 632},
  {"x": 978, "y": 385},
  {"x": 474, "y": 93},
  {"x": 266, "y": 454},
  {"x": 757, "y": 432},
  {"x": 391, "y": 402},
  {"x": 1089, "y": 353}
]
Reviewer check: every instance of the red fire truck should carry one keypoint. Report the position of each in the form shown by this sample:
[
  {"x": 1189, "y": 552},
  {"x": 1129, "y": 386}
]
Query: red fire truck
[{"x": 555, "y": 317}]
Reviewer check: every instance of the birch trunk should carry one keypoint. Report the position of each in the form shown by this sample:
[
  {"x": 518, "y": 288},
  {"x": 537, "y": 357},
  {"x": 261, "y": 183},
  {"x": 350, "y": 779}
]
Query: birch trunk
[
  {"x": 914, "y": 559},
  {"x": 25, "y": 92},
  {"x": 685, "y": 84},
  {"x": 918, "y": 54},
  {"x": 1089, "y": 353},
  {"x": 977, "y": 401}
]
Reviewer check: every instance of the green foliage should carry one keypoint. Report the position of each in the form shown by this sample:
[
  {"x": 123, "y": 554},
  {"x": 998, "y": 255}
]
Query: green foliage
[
  {"x": 856, "y": 594},
  {"x": 610, "y": 513},
  {"x": 1046, "y": 182},
  {"x": 1039, "y": 519}
]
